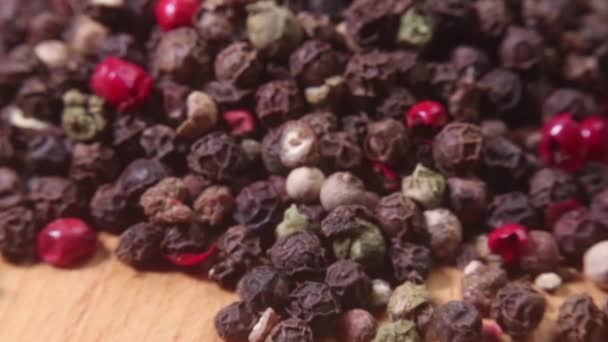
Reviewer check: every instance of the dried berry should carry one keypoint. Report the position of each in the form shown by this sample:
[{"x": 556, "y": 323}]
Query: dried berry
[
  {"x": 579, "y": 319},
  {"x": 400, "y": 217},
  {"x": 566, "y": 100},
  {"x": 349, "y": 282},
  {"x": 313, "y": 62},
  {"x": 47, "y": 153},
  {"x": 213, "y": 207},
  {"x": 594, "y": 264},
  {"x": 295, "y": 221},
  {"x": 65, "y": 242},
  {"x": 93, "y": 164},
  {"x": 263, "y": 287},
  {"x": 424, "y": 186},
  {"x": 494, "y": 17},
  {"x": 54, "y": 197},
  {"x": 505, "y": 164},
  {"x": 299, "y": 253},
  {"x": 175, "y": 13},
  {"x": 36, "y": 99},
  {"x": 551, "y": 189},
  {"x": 11, "y": 189},
  {"x": 467, "y": 198},
  {"x": 340, "y": 151},
  {"x": 397, "y": 102},
  {"x": 370, "y": 75},
  {"x": 479, "y": 287},
  {"x": 371, "y": 23},
  {"x": 455, "y": 321},
  {"x": 182, "y": 55},
  {"x": 238, "y": 63},
  {"x": 364, "y": 245},
  {"x": 141, "y": 174},
  {"x": 111, "y": 209},
  {"x": 298, "y": 145},
  {"x": 445, "y": 231},
  {"x": 289, "y": 330},
  {"x": 344, "y": 188},
  {"x": 273, "y": 29},
  {"x": 509, "y": 242},
  {"x": 83, "y": 116},
  {"x": 518, "y": 309},
  {"x": 512, "y": 207},
  {"x": 18, "y": 229},
  {"x": 216, "y": 156},
  {"x": 357, "y": 325},
  {"x": 313, "y": 303},
  {"x": 303, "y": 184},
  {"x": 386, "y": 141},
  {"x": 139, "y": 245},
  {"x": 227, "y": 95},
  {"x": 411, "y": 262},
  {"x": 502, "y": 91},
  {"x": 541, "y": 253},
  {"x": 182, "y": 241},
  {"x": 277, "y": 102},
  {"x": 411, "y": 302},
  {"x": 262, "y": 328},
  {"x": 164, "y": 203},
  {"x": 521, "y": 48},
  {"x": 201, "y": 115},
  {"x": 234, "y": 322},
  {"x": 577, "y": 230},
  {"x": 457, "y": 148},
  {"x": 258, "y": 206},
  {"x": 401, "y": 330}
]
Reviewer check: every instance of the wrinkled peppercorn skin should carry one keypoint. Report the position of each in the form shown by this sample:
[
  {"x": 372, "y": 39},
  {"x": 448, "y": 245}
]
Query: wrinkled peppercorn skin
[
  {"x": 299, "y": 253},
  {"x": 579, "y": 319},
  {"x": 18, "y": 230},
  {"x": 518, "y": 309},
  {"x": 313, "y": 303}
]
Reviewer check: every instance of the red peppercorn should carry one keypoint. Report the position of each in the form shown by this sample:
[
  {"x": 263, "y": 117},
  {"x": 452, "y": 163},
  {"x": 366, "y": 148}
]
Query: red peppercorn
[
  {"x": 390, "y": 178},
  {"x": 190, "y": 259},
  {"x": 594, "y": 130},
  {"x": 66, "y": 241},
  {"x": 123, "y": 84},
  {"x": 562, "y": 143},
  {"x": 241, "y": 121},
  {"x": 508, "y": 241},
  {"x": 428, "y": 114},
  {"x": 171, "y": 14}
]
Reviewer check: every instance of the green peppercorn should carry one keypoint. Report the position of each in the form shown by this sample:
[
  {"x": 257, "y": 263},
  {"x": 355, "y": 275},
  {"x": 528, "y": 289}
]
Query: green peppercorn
[
  {"x": 424, "y": 186},
  {"x": 293, "y": 222},
  {"x": 415, "y": 29},
  {"x": 399, "y": 331},
  {"x": 272, "y": 28},
  {"x": 406, "y": 300},
  {"x": 366, "y": 246},
  {"x": 83, "y": 115}
]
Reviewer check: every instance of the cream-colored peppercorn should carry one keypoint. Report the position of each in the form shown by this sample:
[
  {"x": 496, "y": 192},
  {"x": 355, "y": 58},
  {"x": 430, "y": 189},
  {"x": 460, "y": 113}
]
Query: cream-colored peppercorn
[
  {"x": 595, "y": 266},
  {"x": 202, "y": 115},
  {"x": 264, "y": 325},
  {"x": 86, "y": 35},
  {"x": 381, "y": 293},
  {"x": 344, "y": 188},
  {"x": 298, "y": 145},
  {"x": 53, "y": 53},
  {"x": 304, "y": 184}
]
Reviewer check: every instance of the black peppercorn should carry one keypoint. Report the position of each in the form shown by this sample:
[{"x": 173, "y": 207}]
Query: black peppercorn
[
  {"x": 313, "y": 62},
  {"x": 502, "y": 91},
  {"x": 401, "y": 218},
  {"x": 480, "y": 285},
  {"x": 457, "y": 148},
  {"x": 541, "y": 253},
  {"x": 54, "y": 197},
  {"x": 411, "y": 262},
  {"x": 216, "y": 156},
  {"x": 11, "y": 189},
  {"x": 504, "y": 164},
  {"x": 577, "y": 230},
  {"x": 263, "y": 287},
  {"x": 300, "y": 253},
  {"x": 48, "y": 153},
  {"x": 258, "y": 206},
  {"x": 349, "y": 282},
  {"x": 140, "y": 245},
  {"x": 579, "y": 319},
  {"x": 521, "y": 49},
  {"x": 455, "y": 321},
  {"x": 593, "y": 179},
  {"x": 566, "y": 100},
  {"x": 494, "y": 17},
  {"x": 111, "y": 209},
  {"x": 551, "y": 188},
  {"x": 93, "y": 165},
  {"x": 387, "y": 141},
  {"x": 371, "y": 23},
  {"x": 511, "y": 207},
  {"x": 518, "y": 309},
  {"x": 467, "y": 198},
  {"x": 340, "y": 151},
  {"x": 314, "y": 303},
  {"x": 277, "y": 102},
  {"x": 396, "y": 104},
  {"x": 238, "y": 63},
  {"x": 141, "y": 174},
  {"x": 291, "y": 330},
  {"x": 18, "y": 231},
  {"x": 234, "y": 322}
]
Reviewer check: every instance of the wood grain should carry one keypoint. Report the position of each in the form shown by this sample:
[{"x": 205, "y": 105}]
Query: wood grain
[{"x": 107, "y": 301}]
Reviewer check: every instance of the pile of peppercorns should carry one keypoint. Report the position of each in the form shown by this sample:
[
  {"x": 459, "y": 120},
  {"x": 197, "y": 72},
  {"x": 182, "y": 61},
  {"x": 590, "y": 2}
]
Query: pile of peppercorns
[{"x": 319, "y": 156}]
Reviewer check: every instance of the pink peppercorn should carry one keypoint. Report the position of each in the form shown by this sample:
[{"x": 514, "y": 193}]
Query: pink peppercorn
[
  {"x": 562, "y": 143},
  {"x": 171, "y": 14},
  {"x": 594, "y": 130},
  {"x": 190, "y": 259},
  {"x": 123, "y": 84},
  {"x": 428, "y": 114},
  {"x": 66, "y": 241},
  {"x": 241, "y": 121},
  {"x": 390, "y": 178},
  {"x": 508, "y": 241}
]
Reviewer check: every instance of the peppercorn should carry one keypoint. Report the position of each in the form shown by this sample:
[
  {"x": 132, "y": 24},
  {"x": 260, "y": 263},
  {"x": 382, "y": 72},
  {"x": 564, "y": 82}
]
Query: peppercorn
[
  {"x": 349, "y": 282},
  {"x": 240, "y": 64},
  {"x": 411, "y": 262},
  {"x": 502, "y": 91},
  {"x": 292, "y": 329},
  {"x": 412, "y": 302},
  {"x": 505, "y": 164},
  {"x": 521, "y": 48},
  {"x": 415, "y": 29},
  {"x": 37, "y": 99},
  {"x": 386, "y": 141},
  {"x": 47, "y": 153},
  {"x": 314, "y": 303},
  {"x": 579, "y": 319},
  {"x": 401, "y": 330},
  {"x": 83, "y": 115},
  {"x": 295, "y": 221},
  {"x": 457, "y": 148},
  {"x": 518, "y": 309},
  {"x": 273, "y": 29},
  {"x": 344, "y": 188},
  {"x": 300, "y": 253},
  {"x": 141, "y": 174},
  {"x": 234, "y": 322},
  {"x": 139, "y": 245},
  {"x": 262, "y": 328},
  {"x": 511, "y": 207},
  {"x": 455, "y": 321},
  {"x": 213, "y": 206},
  {"x": 424, "y": 186},
  {"x": 54, "y": 197},
  {"x": 551, "y": 187},
  {"x": 93, "y": 164},
  {"x": 258, "y": 206},
  {"x": 370, "y": 23},
  {"x": 576, "y": 231},
  {"x": 567, "y": 100},
  {"x": 216, "y": 156},
  {"x": 541, "y": 253},
  {"x": 11, "y": 189},
  {"x": 313, "y": 62},
  {"x": 467, "y": 198},
  {"x": 400, "y": 217},
  {"x": 365, "y": 245},
  {"x": 263, "y": 287},
  {"x": 357, "y": 325},
  {"x": 594, "y": 264},
  {"x": 398, "y": 101},
  {"x": 18, "y": 229},
  {"x": 298, "y": 145},
  {"x": 164, "y": 203},
  {"x": 445, "y": 232},
  {"x": 479, "y": 286},
  {"x": 201, "y": 115},
  {"x": 278, "y": 101},
  {"x": 340, "y": 151}
]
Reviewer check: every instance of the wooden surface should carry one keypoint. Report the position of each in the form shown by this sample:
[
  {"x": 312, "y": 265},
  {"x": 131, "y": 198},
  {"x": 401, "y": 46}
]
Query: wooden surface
[{"x": 106, "y": 301}]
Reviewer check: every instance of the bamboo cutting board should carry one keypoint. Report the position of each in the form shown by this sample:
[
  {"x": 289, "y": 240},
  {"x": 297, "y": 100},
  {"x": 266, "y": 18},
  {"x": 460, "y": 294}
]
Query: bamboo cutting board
[{"x": 107, "y": 301}]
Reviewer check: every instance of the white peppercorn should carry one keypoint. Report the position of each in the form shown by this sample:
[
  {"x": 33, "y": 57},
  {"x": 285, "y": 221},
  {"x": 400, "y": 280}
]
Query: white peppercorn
[
  {"x": 381, "y": 293},
  {"x": 595, "y": 266},
  {"x": 298, "y": 145},
  {"x": 344, "y": 188},
  {"x": 304, "y": 184}
]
